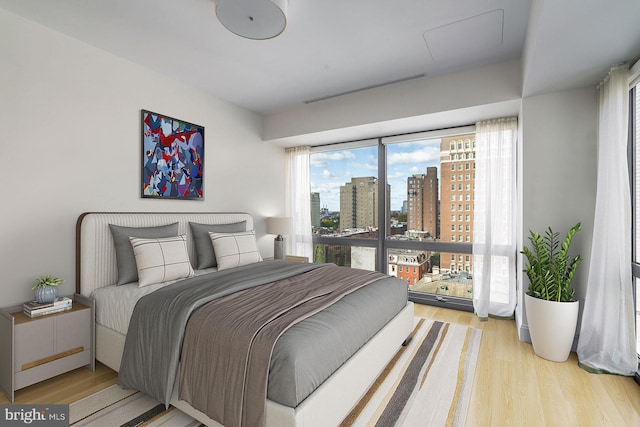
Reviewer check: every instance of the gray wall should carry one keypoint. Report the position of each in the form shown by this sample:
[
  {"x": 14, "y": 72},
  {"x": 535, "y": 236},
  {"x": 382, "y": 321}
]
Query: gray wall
[
  {"x": 70, "y": 143},
  {"x": 430, "y": 103},
  {"x": 559, "y": 134}
]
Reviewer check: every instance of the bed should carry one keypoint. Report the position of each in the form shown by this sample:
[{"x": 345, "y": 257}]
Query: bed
[{"x": 330, "y": 398}]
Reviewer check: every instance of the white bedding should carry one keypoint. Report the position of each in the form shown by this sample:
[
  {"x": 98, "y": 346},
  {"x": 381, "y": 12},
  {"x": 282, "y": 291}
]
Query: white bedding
[{"x": 121, "y": 300}]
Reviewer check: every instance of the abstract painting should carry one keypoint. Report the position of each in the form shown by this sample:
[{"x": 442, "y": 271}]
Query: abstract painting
[{"x": 172, "y": 157}]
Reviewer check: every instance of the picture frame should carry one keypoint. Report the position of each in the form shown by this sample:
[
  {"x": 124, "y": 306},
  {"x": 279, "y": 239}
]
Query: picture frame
[{"x": 172, "y": 158}]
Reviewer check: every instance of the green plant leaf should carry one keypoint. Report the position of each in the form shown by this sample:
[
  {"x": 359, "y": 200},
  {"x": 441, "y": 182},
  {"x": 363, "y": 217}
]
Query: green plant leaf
[
  {"x": 47, "y": 280},
  {"x": 549, "y": 268}
]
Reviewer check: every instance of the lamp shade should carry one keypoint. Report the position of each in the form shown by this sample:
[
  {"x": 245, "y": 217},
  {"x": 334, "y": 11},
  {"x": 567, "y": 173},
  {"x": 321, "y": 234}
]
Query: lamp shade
[
  {"x": 279, "y": 225},
  {"x": 253, "y": 19}
]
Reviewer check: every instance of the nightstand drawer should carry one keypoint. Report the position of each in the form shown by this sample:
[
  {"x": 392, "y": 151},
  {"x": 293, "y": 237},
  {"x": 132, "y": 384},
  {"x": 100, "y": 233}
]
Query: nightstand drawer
[
  {"x": 51, "y": 337},
  {"x": 51, "y": 369}
]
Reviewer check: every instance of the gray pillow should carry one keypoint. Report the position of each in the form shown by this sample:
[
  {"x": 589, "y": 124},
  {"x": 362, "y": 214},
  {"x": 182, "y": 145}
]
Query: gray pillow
[
  {"x": 126, "y": 260},
  {"x": 205, "y": 257}
]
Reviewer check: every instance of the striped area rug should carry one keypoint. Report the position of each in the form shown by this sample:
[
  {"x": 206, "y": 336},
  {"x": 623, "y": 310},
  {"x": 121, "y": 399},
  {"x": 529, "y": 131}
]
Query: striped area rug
[
  {"x": 114, "y": 406},
  {"x": 427, "y": 383}
]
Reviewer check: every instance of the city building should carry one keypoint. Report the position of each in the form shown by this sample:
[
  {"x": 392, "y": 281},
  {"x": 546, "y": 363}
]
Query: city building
[
  {"x": 422, "y": 202},
  {"x": 409, "y": 266},
  {"x": 359, "y": 204},
  {"x": 315, "y": 210},
  {"x": 457, "y": 175}
]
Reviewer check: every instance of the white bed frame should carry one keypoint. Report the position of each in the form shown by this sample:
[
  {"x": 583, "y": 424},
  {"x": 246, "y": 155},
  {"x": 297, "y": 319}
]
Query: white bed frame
[{"x": 327, "y": 405}]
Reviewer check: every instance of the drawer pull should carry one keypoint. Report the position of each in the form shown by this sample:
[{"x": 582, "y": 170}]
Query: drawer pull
[{"x": 52, "y": 358}]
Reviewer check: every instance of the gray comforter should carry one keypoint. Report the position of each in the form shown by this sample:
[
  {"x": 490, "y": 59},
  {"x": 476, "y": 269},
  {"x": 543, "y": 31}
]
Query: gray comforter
[
  {"x": 228, "y": 342},
  {"x": 304, "y": 356},
  {"x": 154, "y": 338}
]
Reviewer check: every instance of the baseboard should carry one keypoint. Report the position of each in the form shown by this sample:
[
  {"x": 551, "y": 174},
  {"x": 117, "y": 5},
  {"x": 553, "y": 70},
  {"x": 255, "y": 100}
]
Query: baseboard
[{"x": 523, "y": 334}]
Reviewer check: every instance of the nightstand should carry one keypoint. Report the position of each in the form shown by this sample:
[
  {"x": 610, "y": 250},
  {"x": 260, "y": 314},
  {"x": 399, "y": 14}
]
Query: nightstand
[{"x": 33, "y": 349}]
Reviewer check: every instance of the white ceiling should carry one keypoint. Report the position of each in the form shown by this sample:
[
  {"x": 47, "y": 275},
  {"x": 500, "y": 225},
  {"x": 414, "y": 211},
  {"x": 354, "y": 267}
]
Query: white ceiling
[{"x": 332, "y": 47}]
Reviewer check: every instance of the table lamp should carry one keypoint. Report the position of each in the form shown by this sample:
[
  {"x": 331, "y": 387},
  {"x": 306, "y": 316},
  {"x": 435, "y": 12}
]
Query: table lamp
[{"x": 279, "y": 226}]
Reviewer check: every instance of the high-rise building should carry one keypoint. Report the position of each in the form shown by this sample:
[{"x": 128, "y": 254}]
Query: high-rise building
[
  {"x": 359, "y": 203},
  {"x": 315, "y": 210},
  {"x": 414, "y": 202},
  {"x": 422, "y": 202},
  {"x": 457, "y": 175}
]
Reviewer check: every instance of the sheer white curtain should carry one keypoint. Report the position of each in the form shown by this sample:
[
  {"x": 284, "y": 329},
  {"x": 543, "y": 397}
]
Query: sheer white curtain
[
  {"x": 607, "y": 333},
  {"x": 299, "y": 202},
  {"x": 494, "y": 225}
]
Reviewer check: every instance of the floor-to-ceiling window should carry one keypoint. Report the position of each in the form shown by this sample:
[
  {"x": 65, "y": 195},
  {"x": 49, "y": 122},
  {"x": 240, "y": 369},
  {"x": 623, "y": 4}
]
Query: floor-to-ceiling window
[
  {"x": 402, "y": 205},
  {"x": 345, "y": 198},
  {"x": 429, "y": 224}
]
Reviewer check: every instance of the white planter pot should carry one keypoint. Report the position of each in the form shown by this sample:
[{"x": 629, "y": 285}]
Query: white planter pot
[{"x": 552, "y": 326}]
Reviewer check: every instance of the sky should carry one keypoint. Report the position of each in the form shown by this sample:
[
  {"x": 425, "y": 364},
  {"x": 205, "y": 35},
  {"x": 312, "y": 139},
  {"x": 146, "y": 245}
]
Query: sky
[{"x": 332, "y": 169}]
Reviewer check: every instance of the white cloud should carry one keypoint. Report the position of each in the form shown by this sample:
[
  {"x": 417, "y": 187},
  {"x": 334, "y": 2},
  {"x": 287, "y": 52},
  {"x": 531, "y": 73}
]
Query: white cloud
[
  {"x": 329, "y": 195},
  {"x": 366, "y": 166},
  {"x": 320, "y": 160},
  {"x": 326, "y": 186},
  {"x": 414, "y": 152},
  {"x": 429, "y": 155},
  {"x": 397, "y": 174}
]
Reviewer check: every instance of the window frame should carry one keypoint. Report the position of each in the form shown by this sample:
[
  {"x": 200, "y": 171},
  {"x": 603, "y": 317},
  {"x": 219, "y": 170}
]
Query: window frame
[
  {"x": 382, "y": 244},
  {"x": 463, "y": 304}
]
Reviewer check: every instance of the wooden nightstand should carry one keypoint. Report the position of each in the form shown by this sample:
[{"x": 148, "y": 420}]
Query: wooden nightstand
[{"x": 33, "y": 349}]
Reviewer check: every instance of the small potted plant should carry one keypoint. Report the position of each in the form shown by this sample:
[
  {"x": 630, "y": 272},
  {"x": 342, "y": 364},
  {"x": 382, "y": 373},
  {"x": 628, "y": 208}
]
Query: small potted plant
[
  {"x": 552, "y": 313},
  {"x": 46, "y": 288}
]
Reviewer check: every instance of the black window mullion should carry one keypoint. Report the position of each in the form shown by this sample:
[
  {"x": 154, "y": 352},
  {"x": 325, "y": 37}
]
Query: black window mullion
[{"x": 383, "y": 212}]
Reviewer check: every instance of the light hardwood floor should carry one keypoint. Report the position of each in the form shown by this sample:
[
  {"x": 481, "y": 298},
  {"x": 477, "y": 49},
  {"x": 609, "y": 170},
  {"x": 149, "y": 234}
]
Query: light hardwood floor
[{"x": 512, "y": 386}]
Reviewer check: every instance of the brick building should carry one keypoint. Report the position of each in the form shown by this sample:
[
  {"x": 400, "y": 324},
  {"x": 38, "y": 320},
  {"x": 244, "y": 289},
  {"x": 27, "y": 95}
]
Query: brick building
[{"x": 457, "y": 175}]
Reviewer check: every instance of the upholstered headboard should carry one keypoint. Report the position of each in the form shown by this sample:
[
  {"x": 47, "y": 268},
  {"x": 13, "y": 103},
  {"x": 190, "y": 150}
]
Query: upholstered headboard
[{"x": 95, "y": 252}]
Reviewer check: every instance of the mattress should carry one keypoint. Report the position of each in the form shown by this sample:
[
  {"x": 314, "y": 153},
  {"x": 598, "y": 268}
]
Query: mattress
[{"x": 115, "y": 304}]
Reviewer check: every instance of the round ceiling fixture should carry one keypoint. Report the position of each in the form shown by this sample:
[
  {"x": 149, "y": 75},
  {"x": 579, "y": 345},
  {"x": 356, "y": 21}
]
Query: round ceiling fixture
[{"x": 253, "y": 19}]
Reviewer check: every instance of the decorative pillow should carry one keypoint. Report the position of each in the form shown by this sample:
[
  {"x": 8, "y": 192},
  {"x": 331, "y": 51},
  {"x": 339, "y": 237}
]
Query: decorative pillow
[
  {"x": 161, "y": 260},
  {"x": 205, "y": 257},
  {"x": 127, "y": 271},
  {"x": 235, "y": 249}
]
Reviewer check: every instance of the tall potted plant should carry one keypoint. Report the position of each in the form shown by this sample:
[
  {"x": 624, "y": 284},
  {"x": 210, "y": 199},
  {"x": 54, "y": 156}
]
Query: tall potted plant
[{"x": 552, "y": 313}]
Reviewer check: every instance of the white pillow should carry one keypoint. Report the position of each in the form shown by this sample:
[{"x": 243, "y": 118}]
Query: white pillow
[
  {"x": 235, "y": 249},
  {"x": 161, "y": 260}
]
